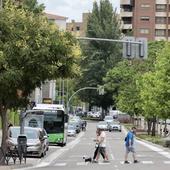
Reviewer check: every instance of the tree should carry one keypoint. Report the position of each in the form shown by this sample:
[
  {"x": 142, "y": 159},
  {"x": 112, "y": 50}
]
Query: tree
[
  {"x": 31, "y": 52},
  {"x": 99, "y": 56}
]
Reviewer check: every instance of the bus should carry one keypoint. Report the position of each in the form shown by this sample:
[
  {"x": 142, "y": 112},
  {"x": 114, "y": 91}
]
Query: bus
[{"x": 53, "y": 119}]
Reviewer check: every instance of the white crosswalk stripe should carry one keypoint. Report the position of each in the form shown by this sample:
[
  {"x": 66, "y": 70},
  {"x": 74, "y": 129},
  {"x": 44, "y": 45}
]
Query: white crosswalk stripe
[
  {"x": 147, "y": 162},
  {"x": 82, "y": 163},
  {"x": 60, "y": 164},
  {"x": 108, "y": 163},
  {"x": 166, "y": 162}
]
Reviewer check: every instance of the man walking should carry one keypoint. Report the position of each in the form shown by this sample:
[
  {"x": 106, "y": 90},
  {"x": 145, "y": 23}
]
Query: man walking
[{"x": 129, "y": 144}]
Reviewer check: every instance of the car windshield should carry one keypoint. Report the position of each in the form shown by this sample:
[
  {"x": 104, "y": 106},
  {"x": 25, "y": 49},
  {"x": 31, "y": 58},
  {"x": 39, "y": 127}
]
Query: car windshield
[
  {"x": 102, "y": 123},
  {"x": 71, "y": 128},
  {"x": 30, "y": 133},
  {"x": 108, "y": 118}
]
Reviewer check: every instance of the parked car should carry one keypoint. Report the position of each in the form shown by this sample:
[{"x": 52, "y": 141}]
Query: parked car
[
  {"x": 71, "y": 130},
  {"x": 115, "y": 126},
  {"x": 102, "y": 125},
  {"x": 37, "y": 141}
]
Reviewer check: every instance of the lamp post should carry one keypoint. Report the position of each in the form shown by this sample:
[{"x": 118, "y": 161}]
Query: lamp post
[{"x": 84, "y": 88}]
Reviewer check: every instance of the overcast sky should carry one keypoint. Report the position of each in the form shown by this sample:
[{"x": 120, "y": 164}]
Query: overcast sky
[{"x": 72, "y": 9}]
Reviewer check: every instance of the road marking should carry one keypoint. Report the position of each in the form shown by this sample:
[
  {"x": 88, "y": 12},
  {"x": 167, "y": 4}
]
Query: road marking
[
  {"x": 115, "y": 166},
  {"x": 154, "y": 148},
  {"x": 166, "y": 162},
  {"x": 147, "y": 162},
  {"x": 82, "y": 163},
  {"x": 60, "y": 164},
  {"x": 104, "y": 163}
]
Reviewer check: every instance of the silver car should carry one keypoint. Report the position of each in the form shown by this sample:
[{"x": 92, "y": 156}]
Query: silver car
[
  {"x": 71, "y": 130},
  {"x": 115, "y": 126},
  {"x": 37, "y": 141},
  {"x": 102, "y": 125}
]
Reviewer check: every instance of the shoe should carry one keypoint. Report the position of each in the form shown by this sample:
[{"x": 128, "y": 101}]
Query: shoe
[
  {"x": 94, "y": 161},
  {"x": 136, "y": 161},
  {"x": 126, "y": 162}
]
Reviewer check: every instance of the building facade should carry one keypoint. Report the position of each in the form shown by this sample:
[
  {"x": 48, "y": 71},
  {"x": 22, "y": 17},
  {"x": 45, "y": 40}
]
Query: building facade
[
  {"x": 48, "y": 89},
  {"x": 146, "y": 18},
  {"x": 78, "y": 29}
]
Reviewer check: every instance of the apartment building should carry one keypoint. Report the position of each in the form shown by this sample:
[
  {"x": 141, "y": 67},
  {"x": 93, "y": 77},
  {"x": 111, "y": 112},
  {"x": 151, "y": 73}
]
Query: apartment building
[{"x": 146, "y": 18}]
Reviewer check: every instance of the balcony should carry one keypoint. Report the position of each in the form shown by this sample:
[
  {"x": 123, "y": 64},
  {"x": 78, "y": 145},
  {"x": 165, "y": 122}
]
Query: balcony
[
  {"x": 126, "y": 2},
  {"x": 126, "y": 26},
  {"x": 161, "y": 1},
  {"x": 160, "y": 26},
  {"x": 161, "y": 14},
  {"x": 126, "y": 14}
]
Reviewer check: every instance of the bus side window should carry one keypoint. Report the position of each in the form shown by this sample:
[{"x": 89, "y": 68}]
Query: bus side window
[{"x": 65, "y": 118}]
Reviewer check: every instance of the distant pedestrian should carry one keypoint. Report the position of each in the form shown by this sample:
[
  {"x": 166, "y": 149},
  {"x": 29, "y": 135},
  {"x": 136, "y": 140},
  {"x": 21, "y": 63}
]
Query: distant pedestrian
[{"x": 129, "y": 144}]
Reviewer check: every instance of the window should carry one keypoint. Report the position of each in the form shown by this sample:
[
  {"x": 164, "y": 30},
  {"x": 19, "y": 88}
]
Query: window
[
  {"x": 72, "y": 29},
  {"x": 160, "y": 20},
  {"x": 144, "y": 31},
  {"x": 145, "y": 6},
  {"x": 144, "y": 18},
  {"x": 160, "y": 8},
  {"x": 160, "y": 33},
  {"x": 78, "y": 28}
]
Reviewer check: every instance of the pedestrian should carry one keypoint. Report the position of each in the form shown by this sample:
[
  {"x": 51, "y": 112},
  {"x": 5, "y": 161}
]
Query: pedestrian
[
  {"x": 102, "y": 146},
  {"x": 129, "y": 144},
  {"x": 96, "y": 152}
]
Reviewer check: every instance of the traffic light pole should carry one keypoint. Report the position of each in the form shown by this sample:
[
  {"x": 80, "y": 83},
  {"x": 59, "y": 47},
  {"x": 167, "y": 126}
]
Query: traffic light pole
[{"x": 132, "y": 47}]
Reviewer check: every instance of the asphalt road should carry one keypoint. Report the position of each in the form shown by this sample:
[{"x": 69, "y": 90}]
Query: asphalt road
[{"x": 70, "y": 157}]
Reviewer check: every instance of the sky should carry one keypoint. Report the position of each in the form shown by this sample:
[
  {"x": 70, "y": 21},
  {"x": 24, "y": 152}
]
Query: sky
[{"x": 72, "y": 9}]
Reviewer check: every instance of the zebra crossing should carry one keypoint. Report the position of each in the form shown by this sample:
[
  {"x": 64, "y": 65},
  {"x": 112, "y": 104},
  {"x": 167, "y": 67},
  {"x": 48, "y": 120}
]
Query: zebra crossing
[{"x": 148, "y": 162}]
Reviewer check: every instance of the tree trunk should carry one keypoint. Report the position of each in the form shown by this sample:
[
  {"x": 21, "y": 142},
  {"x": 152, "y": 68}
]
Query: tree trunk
[
  {"x": 149, "y": 126},
  {"x": 154, "y": 127},
  {"x": 4, "y": 120}
]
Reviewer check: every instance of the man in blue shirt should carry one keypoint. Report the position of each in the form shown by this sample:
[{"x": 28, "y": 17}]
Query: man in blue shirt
[{"x": 129, "y": 144}]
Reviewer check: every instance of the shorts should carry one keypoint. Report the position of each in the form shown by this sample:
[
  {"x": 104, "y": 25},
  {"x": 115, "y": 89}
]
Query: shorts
[{"x": 130, "y": 149}]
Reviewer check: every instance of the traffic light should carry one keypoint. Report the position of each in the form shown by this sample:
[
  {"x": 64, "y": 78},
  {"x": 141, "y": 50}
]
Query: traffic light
[
  {"x": 128, "y": 47},
  {"x": 135, "y": 48},
  {"x": 141, "y": 51}
]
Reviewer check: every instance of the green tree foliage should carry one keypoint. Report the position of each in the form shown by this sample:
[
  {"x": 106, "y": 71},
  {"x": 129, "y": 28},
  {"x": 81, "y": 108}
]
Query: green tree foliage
[
  {"x": 31, "y": 52},
  {"x": 99, "y": 56}
]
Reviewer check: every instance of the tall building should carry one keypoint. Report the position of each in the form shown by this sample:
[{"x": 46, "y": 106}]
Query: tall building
[{"x": 146, "y": 18}]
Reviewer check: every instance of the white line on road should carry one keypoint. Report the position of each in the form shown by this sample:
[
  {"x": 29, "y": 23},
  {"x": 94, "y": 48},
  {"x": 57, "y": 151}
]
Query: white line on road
[
  {"x": 166, "y": 162},
  {"x": 82, "y": 163},
  {"x": 60, "y": 164},
  {"x": 156, "y": 149},
  {"x": 104, "y": 163},
  {"x": 147, "y": 162}
]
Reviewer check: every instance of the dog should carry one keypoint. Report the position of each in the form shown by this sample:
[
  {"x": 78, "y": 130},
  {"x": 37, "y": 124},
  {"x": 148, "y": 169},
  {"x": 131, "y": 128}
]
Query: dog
[{"x": 87, "y": 159}]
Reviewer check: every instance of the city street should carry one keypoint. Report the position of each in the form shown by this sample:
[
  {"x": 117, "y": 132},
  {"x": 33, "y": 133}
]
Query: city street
[{"x": 151, "y": 157}]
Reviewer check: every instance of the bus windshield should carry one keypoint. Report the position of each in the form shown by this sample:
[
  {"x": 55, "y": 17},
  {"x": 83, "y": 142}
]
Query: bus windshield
[{"x": 54, "y": 121}]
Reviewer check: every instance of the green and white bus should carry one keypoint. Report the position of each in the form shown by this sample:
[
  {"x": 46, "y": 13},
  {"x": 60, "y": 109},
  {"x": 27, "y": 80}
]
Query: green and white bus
[{"x": 54, "y": 121}]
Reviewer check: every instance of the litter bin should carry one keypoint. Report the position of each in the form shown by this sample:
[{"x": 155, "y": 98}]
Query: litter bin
[{"x": 22, "y": 147}]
